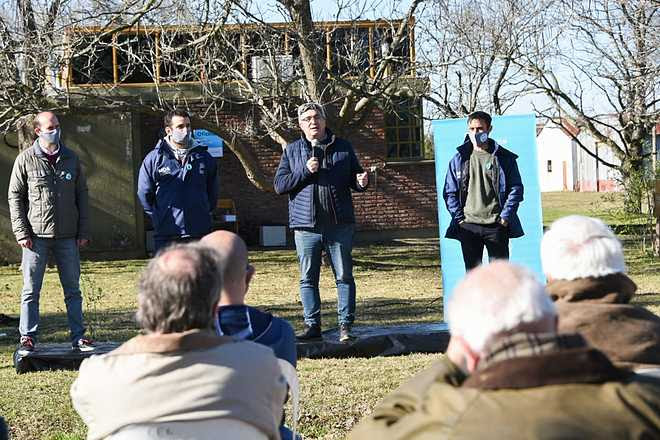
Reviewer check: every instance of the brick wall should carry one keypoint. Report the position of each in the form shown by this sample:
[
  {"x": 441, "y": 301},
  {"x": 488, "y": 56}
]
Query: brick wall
[{"x": 401, "y": 196}]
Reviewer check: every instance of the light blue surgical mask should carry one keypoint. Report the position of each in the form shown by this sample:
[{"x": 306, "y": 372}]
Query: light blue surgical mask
[
  {"x": 50, "y": 137},
  {"x": 181, "y": 137}
]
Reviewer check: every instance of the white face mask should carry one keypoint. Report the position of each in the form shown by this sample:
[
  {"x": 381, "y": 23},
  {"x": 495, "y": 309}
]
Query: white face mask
[
  {"x": 50, "y": 137},
  {"x": 479, "y": 138},
  {"x": 181, "y": 137}
]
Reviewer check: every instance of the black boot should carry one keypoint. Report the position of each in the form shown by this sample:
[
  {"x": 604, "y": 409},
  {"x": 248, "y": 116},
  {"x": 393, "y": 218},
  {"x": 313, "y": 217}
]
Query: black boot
[
  {"x": 345, "y": 333},
  {"x": 310, "y": 333}
]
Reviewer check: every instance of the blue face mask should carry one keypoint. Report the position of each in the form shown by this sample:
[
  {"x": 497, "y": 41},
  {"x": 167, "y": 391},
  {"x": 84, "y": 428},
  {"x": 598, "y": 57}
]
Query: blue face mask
[
  {"x": 479, "y": 138},
  {"x": 50, "y": 137}
]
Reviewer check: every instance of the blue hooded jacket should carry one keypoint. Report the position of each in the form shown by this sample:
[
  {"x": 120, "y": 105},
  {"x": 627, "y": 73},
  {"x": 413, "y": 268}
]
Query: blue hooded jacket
[
  {"x": 247, "y": 323},
  {"x": 507, "y": 180},
  {"x": 293, "y": 178},
  {"x": 179, "y": 198}
]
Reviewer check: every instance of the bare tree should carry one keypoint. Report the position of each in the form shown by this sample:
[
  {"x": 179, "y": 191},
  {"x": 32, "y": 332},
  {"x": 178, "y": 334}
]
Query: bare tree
[
  {"x": 472, "y": 48},
  {"x": 215, "y": 56},
  {"x": 603, "y": 73}
]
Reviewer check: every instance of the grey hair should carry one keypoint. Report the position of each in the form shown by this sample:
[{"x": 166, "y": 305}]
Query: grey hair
[
  {"x": 175, "y": 298},
  {"x": 579, "y": 247},
  {"x": 311, "y": 106},
  {"x": 498, "y": 299}
]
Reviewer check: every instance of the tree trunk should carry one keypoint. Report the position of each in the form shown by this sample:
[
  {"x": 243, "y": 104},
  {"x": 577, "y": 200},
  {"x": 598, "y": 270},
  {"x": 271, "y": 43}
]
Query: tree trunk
[{"x": 25, "y": 132}]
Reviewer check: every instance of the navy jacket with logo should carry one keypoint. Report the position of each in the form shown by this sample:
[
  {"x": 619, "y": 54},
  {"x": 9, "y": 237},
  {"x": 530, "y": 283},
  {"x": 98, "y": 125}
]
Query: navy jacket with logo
[
  {"x": 179, "y": 198},
  {"x": 507, "y": 180},
  {"x": 293, "y": 178}
]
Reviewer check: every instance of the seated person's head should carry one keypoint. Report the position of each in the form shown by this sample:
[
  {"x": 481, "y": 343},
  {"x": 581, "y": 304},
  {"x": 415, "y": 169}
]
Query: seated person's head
[
  {"x": 492, "y": 301},
  {"x": 580, "y": 247},
  {"x": 179, "y": 290},
  {"x": 232, "y": 254}
]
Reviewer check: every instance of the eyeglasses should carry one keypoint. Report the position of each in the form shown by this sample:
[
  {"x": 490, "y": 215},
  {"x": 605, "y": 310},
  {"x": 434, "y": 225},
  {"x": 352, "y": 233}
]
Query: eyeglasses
[{"x": 309, "y": 119}]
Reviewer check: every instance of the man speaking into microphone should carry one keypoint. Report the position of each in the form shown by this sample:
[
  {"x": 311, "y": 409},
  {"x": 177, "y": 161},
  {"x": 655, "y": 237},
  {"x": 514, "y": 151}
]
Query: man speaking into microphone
[
  {"x": 318, "y": 171},
  {"x": 482, "y": 192}
]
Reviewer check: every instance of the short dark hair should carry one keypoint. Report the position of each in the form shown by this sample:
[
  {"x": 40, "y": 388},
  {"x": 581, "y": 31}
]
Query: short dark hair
[
  {"x": 180, "y": 298},
  {"x": 482, "y": 116},
  {"x": 172, "y": 113}
]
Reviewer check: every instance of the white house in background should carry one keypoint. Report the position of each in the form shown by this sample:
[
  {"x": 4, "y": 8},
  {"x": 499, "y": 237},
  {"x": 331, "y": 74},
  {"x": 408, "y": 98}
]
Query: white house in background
[{"x": 564, "y": 166}]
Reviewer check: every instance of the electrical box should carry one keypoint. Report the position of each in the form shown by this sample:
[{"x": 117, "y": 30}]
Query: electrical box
[{"x": 274, "y": 235}]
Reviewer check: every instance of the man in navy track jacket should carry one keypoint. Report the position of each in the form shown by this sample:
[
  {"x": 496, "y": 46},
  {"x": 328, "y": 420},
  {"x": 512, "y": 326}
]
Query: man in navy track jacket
[
  {"x": 482, "y": 192},
  {"x": 178, "y": 184},
  {"x": 318, "y": 172}
]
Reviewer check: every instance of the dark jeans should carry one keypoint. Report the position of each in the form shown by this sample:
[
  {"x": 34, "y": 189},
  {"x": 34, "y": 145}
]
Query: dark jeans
[
  {"x": 474, "y": 237},
  {"x": 338, "y": 243}
]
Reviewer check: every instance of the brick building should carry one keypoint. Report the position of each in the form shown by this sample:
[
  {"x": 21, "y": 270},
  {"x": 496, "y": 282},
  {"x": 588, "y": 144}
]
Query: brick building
[{"x": 389, "y": 143}]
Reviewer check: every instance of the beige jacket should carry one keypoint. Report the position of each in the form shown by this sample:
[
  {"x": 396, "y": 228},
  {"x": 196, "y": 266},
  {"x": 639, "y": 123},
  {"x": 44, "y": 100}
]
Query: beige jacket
[{"x": 180, "y": 377}]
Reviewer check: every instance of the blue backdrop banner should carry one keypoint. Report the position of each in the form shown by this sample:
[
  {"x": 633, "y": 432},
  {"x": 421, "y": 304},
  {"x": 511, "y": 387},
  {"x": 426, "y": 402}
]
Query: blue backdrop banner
[{"x": 515, "y": 133}]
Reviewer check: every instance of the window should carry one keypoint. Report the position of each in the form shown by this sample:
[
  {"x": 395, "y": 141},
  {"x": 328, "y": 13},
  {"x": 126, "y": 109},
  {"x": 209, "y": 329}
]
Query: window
[
  {"x": 549, "y": 166},
  {"x": 382, "y": 41},
  {"x": 151, "y": 55},
  {"x": 349, "y": 48},
  {"x": 403, "y": 130},
  {"x": 178, "y": 58},
  {"x": 92, "y": 63},
  {"x": 136, "y": 56}
]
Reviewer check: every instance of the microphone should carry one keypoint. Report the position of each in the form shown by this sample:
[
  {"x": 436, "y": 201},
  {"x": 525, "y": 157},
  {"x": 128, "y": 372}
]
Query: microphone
[{"x": 315, "y": 143}]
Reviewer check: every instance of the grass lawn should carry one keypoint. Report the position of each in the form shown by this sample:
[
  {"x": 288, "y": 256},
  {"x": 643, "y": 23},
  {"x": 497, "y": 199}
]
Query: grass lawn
[
  {"x": 397, "y": 283},
  {"x": 606, "y": 206}
]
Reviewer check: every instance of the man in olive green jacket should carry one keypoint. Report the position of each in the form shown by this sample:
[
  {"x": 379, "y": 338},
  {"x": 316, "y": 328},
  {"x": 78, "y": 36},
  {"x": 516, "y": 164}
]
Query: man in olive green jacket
[
  {"x": 507, "y": 374},
  {"x": 49, "y": 213}
]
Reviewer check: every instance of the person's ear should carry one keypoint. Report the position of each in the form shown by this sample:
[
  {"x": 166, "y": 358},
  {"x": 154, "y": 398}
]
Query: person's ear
[
  {"x": 490, "y": 129},
  {"x": 249, "y": 273},
  {"x": 168, "y": 131}
]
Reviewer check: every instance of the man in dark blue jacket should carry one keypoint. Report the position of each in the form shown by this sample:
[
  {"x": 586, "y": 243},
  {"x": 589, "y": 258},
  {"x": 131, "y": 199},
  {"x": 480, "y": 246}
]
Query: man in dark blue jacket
[
  {"x": 178, "y": 184},
  {"x": 317, "y": 172},
  {"x": 482, "y": 192}
]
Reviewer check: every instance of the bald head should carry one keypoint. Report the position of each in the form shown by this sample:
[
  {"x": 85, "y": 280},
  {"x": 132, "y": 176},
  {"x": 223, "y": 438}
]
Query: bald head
[
  {"x": 233, "y": 254},
  {"x": 179, "y": 290},
  {"x": 496, "y": 299},
  {"x": 45, "y": 121}
]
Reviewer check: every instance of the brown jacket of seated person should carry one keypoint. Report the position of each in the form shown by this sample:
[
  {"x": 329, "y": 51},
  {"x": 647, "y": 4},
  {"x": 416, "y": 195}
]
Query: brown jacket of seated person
[{"x": 599, "y": 309}]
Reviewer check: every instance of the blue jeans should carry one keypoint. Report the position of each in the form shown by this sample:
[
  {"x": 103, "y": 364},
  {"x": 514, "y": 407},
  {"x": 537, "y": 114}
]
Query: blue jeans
[
  {"x": 338, "y": 243},
  {"x": 33, "y": 265}
]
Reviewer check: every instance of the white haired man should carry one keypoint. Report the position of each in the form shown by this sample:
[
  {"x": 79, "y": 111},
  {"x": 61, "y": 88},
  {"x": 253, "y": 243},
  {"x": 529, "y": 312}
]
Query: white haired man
[
  {"x": 180, "y": 373},
  {"x": 507, "y": 374},
  {"x": 583, "y": 262}
]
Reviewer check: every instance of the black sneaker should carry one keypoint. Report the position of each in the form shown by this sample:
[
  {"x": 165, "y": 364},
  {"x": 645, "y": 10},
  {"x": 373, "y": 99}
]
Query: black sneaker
[
  {"x": 8, "y": 320},
  {"x": 345, "y": 334},
  {"x": 310, "y": 333},
  {"x": 26, "y": 345},
  {"x": 84, "y": 344}
]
